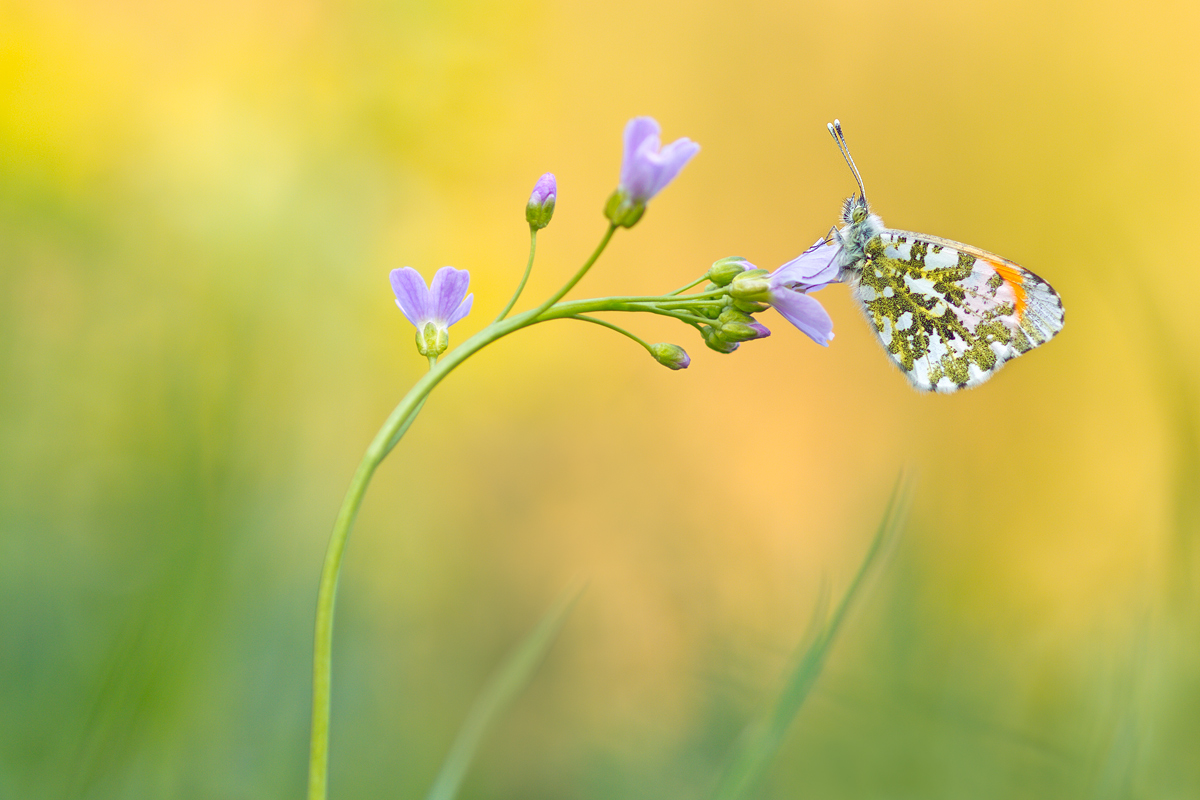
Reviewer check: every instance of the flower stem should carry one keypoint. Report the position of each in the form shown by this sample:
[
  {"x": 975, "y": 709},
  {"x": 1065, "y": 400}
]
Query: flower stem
[
  {"x": 524, "y": 278},
  {"x": 683, "y": 289},
  {"x": 578, "y": 275},
  {"x": 388, "y": 436},
  {"x": 611, "y": 326}
]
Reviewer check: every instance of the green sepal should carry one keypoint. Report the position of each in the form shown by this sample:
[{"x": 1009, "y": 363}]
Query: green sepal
[
  {"x": 622, "y": 211},
  {"x": 749, "y": 306},
  {"x": 751, "y": 285},
  {"x": 714, "y": 341},
  {"x": 738, "y": 332},
  {"x": 538, "y": 216},
  {"x": 724, "y": 270},
  {"x": 432, "y": 341},
  {"x": 731, "y": 314}
]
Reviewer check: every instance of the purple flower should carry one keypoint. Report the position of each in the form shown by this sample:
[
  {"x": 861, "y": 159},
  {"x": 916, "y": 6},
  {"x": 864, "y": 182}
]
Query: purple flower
[
  {"x": 540, "y": 207},
  {"x": 646, "y": 169},
  {"x": 432, "y": 311},
  {"x": 790, "y": 285}
]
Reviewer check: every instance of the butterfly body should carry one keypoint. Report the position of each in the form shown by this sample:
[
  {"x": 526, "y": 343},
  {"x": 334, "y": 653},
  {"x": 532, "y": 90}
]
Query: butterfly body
[{"x": 948, "y": 314}]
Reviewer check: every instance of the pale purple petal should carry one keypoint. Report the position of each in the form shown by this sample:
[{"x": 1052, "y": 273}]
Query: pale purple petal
[
  {"x": 671, "y": 160},
  {"x": 647, "y": 166},
  {"x": 463, "y": 309},
  {"x": 545, "y": 188},
  {"x": 813, "y": 269},
  {"x": 446, "y": 292},
  {"x": 641, "y": 136},
  {"x": 806, "y": 314},
  {"x": 411, "y": 295}
]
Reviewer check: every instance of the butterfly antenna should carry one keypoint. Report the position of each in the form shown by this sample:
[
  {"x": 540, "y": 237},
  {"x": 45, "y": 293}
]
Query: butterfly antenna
[{"x": 835, "y": 130}]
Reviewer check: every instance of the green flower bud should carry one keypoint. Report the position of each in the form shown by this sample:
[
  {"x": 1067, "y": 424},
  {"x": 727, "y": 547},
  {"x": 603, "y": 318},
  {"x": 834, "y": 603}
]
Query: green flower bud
[
  {"x": 671, "y": 356},
  {"x": 714, "y": 340},
  {"x": 749, "y": 306},
  {"x": 751, "y": 285},
  {"x": 737, "y": 326},
  {"x": 731, "y": 314},
  {"x": 540, "y": 207},
  {"x": 724, "y": 270},
  {"x": 739, "y": 332}
]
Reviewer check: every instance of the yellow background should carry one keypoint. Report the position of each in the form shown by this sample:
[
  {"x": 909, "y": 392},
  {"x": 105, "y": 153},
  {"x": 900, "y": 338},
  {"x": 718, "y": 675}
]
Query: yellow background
[{"x": 199, "y": 206}]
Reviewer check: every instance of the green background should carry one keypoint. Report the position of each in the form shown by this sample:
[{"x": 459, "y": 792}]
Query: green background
[{"x": 199, "y": 205}]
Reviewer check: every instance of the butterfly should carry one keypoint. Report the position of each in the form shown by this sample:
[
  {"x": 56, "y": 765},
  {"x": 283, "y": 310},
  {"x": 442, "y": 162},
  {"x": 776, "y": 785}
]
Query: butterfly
[{"x": 948, "y": 314}]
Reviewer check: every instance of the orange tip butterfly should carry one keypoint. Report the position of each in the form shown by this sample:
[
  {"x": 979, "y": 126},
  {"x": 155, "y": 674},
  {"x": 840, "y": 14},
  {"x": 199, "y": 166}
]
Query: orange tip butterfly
[{"x": 948, "y": 314}]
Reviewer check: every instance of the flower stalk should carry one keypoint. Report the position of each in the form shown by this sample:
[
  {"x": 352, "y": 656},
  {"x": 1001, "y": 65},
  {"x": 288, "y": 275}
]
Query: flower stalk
[
  {"x": 390, "y": 433},
  {"x": 721, "y": 313}
]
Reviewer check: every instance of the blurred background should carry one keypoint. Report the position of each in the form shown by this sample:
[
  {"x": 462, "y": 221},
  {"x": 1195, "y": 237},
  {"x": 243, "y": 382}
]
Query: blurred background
[{"x": 199, "y": 206}]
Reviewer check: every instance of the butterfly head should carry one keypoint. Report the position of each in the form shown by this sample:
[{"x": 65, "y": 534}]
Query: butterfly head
[
  {"x": 860, "y": 224},
  {"x": 855, "y": 210}
]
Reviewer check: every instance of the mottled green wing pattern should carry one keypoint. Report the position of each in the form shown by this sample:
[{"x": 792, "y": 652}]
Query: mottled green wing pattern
[{"x": 950, "y": 314}]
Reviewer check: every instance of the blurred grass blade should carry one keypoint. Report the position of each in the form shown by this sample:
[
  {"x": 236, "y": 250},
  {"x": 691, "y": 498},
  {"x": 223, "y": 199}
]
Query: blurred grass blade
[
  {"x": 763, "y": 738},
  {"x": 502, "y": 688}
]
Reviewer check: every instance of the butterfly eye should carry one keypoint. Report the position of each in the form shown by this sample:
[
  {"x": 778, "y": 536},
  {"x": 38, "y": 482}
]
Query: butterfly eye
[{"x": 859, "y": 214}]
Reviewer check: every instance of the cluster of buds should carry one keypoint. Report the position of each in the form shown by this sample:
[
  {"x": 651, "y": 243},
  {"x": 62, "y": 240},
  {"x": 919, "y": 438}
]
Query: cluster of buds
[
  {"x": 750, "y": 290},
  {"x": 732, "y": 315}
]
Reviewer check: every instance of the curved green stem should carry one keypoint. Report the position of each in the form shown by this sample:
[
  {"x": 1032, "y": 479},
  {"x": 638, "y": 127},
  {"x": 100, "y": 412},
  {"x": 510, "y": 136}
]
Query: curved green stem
[
  {"x": 387, "y": 437},
  {"x": 564, "y": 310},
  {"x": 561, "y": 293},
  {"x": 683, "y": 289},
  {"x": 524, "y": 278},
  {"x": 389, "y": 434},
  {"x": 612, "y": 327}
]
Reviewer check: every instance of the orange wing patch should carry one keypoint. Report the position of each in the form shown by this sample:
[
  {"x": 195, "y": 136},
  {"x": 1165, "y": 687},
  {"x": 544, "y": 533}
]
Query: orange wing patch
[{"x": 1015, "y": 280}]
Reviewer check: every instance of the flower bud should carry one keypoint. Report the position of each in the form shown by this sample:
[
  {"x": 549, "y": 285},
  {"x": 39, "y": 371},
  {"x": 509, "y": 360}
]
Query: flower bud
[
  {"x": 623, "y": 210},
  {"x": 753, "y": 285},
  {"x": 731, "y": 314},
  {"x": 671, "y": 356},
  {"x": 714, "y": 340},
  {"x": 432, "y": 340},
  {"x": 724, "y": 270},
  {"x": 749, "y": 306},
  {"x": 744, "y": 332},
  {"x": 737, "y": 326},
  {"x": 540, "y": 208}
]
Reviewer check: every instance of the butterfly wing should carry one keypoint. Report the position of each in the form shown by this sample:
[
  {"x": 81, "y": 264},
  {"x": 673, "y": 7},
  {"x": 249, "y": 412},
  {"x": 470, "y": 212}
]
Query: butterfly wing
[{"x": 950, "y": 314}]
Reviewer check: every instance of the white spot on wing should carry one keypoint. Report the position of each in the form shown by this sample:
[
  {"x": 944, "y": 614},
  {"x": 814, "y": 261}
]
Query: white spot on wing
[
  {"x": 920, "y": 374},
  {"x": 976, "y": 376},
  {"x": 921, "y": 286},
  {"x": 937, "y": 348}
]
